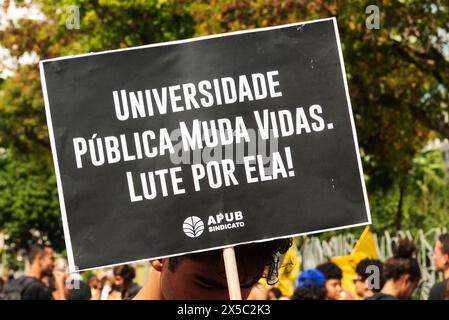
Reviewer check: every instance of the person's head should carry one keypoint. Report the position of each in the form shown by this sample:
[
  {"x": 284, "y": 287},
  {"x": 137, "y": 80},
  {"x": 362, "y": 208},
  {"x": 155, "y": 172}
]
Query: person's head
[
  {"x": 310, "y": 285},
  {"x": 93, "y": 281},
  {"x": 310, "y": 292},
  {"x": 441, "y": 253},
  {"x": 333, "y": 274},
  {"x": 402, "y": 270},
  {"x": 102, "y": 278},
  {"x": 310, "y": 276},
  {"x": 369, "y": 277},
  {"x": 202, "y": 275},
  {"x": 41, "y": 259},
  {"x": 123, "y": 275},
  {"x": 82, "y": 292}
]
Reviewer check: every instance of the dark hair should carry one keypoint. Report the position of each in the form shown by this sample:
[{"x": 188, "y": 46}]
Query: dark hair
[
  {"x": 35, "y": 251},
  {"x": 362, "y": 270},
  {"x": 126, "y": 272},
  {"x": 276, "y": 292},
  {"x": 82, "y": 293},
  {"x": 444, "y": 239},
  {"x": 446, "y": 293},
  {"x": 264, "y": 256},
  {"x": 309, "y": 292},
  {"x": 403, "y": 262},
  {"x": 330, "y": 271}
]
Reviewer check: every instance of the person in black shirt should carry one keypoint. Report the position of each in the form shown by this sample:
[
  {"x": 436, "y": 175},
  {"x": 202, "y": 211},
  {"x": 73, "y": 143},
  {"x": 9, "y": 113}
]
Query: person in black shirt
[
  {"x": 37, "y": 290},
  {"x": 441, "y": 263},
  {"x": 365, "y": 285},
  {"x": 400, "y": 272},
  {"x": 123, "y": 282},
  {"x": 42, "y": 263},
  {"x": 82, "y": 292}
]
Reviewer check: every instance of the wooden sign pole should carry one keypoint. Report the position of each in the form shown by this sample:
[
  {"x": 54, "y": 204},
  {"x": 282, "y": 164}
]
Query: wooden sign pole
[{"x": 232, "y": 275}]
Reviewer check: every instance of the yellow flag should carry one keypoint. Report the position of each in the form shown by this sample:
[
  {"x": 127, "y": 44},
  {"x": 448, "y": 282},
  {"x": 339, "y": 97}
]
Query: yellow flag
[
  {"x": 288, "y": 272},
  {"x": 364, "y": 248}
]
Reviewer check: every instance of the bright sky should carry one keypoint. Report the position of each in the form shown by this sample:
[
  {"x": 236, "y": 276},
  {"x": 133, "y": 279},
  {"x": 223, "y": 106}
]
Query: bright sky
[{"x": 13, "y": 14}]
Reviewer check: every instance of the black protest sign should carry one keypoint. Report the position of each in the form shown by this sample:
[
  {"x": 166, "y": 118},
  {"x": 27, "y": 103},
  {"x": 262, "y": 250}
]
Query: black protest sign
[{"x": 198, "y": 144}]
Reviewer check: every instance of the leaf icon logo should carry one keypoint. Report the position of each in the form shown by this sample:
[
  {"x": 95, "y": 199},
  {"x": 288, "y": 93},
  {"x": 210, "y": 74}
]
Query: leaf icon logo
[{"x": 193, "y": 226}]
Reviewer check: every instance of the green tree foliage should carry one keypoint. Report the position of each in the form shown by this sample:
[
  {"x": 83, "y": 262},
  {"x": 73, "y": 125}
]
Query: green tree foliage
[
  {"x": 424, "y": 191},
  {"x": 29, "y": 208}
]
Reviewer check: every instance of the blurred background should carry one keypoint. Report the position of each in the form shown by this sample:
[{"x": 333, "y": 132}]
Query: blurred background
[{"x": 396, "y": 55}]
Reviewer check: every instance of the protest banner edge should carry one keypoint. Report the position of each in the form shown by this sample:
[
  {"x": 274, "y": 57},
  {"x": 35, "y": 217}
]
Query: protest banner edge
[
  {"x": 225, "y": 246},
  {"x": 72, "y": 266},
  {"x": 65, "y": 224},
  {"x": 351, "y": 117}
]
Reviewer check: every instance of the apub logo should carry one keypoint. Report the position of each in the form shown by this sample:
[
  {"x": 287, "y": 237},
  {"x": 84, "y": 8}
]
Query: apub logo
[{"x": 193, "y": 226}]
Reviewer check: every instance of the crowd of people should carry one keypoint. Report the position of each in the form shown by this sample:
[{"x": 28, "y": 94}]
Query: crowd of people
[
  {"x": 395, "y": 279},
  {"x": 43, "y": 282},
  {"x": 202, "y": 276}
]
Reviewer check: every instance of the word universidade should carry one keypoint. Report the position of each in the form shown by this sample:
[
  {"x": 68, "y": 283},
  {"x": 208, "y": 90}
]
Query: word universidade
[{"x": 188, "y": 96}]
